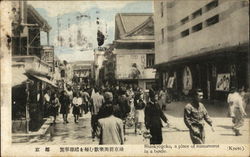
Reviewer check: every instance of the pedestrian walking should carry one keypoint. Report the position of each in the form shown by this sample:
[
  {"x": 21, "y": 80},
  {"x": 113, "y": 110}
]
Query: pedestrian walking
[
  {"x": 97, "y": 101},
  {"x": 46, "y": 103},
  {"x": 110, "y": 128},
  {"x": 243, "y": 96},
  {"x": 116, "y": 93},
  {"x": 194, "y": 115},
  {"x": 230, "y": 98},
  {"x": 247, "y": 98},
  {"x": 153, "y": 116},
  {"x": 85, "y": 101},
  {"x": 65, "y": 106},
  {"x": 139, "y": 113},
  {"x": 77, "y": 102},
  {"x": 162, "y": 99},
  {"x": 69, "y": 92},
  {"x": 130, "y": 96},
  {"x": 108, "y": 99},
  {"x": 122, "y": 108},
  {"x": 237, "y": 111},
  {"x": 55, "y": 104}
]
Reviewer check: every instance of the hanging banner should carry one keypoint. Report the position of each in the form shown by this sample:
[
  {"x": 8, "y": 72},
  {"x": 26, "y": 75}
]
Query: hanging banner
[
  {"x": 187, "y": 80},
  {"x": 223, "y": 82},
  {"x": 170, "y": 82}
]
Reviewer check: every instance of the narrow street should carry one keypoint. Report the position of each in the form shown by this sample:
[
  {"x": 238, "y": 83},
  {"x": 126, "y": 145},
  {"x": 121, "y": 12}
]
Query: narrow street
[{"x": 80, "y": 133}]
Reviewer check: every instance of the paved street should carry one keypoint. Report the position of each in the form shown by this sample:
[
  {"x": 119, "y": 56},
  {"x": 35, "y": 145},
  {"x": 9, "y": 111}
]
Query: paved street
[{"x": 177, "y": 133}]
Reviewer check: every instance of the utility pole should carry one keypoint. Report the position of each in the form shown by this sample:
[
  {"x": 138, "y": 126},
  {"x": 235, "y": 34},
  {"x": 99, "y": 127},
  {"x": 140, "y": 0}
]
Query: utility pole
[{"x": 58, "y": 32}]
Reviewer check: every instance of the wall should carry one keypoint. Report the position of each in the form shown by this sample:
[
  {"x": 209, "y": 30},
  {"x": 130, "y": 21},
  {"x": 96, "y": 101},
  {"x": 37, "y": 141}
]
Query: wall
[
  {"x": 126, "y": 58},
  {"x": 232, "y": 29},
  {"x": 33, "y": 63}
]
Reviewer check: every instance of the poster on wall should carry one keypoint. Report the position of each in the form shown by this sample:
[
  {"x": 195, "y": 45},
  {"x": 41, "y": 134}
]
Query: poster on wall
[
  {"x": 134, "y": 67},
  {"x": 223, "y": 82},
  {"x": 170, "y": 82},
  {"x": 187, "y": 80}
]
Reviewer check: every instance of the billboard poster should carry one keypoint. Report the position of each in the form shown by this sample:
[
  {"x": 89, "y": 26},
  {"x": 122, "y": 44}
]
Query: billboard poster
[
  {"x": 134, "y": 67},
  {"x": 223, "y": 82}
]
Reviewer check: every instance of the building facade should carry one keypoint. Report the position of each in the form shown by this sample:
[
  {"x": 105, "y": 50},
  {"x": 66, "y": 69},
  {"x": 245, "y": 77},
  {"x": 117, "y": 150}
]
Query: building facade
[
  {"x": 82, "y": 72},
  {"x": 134, "y": 49},
  {"x": 202, "y": 46},
  {"x": 99, "y": 58},
  {"x": 32, "y": 73}
]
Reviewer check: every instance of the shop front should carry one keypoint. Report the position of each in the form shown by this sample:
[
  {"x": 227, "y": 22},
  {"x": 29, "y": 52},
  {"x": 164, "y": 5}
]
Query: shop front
[
  {"x": 28, "y": 110},
  {"x": 215, "y": 73}
]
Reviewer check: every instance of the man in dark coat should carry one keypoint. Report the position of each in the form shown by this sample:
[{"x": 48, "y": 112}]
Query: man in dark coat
[
  {"x": 153, "y": 116},
  {"x": 122, "y": 108},
  {"x": 65, "y": 106}
]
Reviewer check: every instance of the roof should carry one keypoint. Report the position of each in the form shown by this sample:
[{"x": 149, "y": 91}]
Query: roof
[
  {"x": 129, "y": 23},
  {"x": 39, "y": 19}
]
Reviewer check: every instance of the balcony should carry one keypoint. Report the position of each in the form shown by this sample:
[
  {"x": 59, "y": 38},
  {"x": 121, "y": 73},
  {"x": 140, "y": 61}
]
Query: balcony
[{"x": 32, "y": 64}]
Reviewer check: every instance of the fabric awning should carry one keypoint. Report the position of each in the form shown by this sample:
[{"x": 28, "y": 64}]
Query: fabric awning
[
  {"x": 44, "y": 79},
  {"x": 18, "y": 77}
]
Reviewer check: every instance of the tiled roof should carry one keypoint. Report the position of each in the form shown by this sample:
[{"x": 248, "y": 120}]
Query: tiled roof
[
  {"x": 40, "y": 20},
  {"x": 127, "y": 22}
]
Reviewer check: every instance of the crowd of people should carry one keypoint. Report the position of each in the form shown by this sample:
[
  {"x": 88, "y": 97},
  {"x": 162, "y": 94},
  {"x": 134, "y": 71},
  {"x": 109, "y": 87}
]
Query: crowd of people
[{"x": 113, "y": 109}]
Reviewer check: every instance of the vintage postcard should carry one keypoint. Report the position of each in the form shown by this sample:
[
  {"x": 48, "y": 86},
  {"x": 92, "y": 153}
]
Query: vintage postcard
[{"x": 125, "y": 78}]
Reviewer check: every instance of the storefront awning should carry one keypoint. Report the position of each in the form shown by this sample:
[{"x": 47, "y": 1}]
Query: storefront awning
[
  {"x": 18, "y": 76},
  {"x": 44, "y": 79},
  {"x": 205, "y": 55}
]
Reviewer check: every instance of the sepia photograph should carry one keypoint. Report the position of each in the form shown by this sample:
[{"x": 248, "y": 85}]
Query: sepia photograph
[{"x": 127, "y": 78}]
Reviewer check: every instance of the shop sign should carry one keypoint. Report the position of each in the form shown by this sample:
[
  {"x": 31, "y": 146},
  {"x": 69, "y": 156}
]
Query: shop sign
[
  {"x": 223, "y": 82},
  {"x": 187, "y": 80}
]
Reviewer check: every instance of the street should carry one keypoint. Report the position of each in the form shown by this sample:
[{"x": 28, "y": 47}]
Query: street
[{"x": 80, "y": 133}]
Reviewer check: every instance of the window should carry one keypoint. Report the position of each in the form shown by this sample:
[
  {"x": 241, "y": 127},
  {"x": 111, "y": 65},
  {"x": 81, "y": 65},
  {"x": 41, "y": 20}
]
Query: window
[
  {"x": 185, "y": 20},
  {"x": 197, "y": 13},
  {"x": 197, "y": 27},
  {"x": 212, "y": 5},
  {"x": 185, "y": 33},
  {"x": 213, "y": 20},
  {"x": 161, "y": 9},
  {"x": 162, "y": 35},
  {"x": 150, "y": 60}
]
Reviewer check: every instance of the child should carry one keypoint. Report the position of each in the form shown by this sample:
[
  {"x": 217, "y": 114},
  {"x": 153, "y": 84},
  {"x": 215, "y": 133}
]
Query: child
[{"x": 77, "y": 102}]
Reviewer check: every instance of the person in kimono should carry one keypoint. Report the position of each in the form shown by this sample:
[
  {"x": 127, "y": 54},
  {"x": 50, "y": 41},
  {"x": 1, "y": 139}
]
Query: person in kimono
[
  {"x": 237, "y": 110},
  {"x": 194, "y": 116}
]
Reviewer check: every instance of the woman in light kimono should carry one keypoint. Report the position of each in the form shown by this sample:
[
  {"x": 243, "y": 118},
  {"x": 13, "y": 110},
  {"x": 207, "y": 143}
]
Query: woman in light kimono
[{"x": 237, "y": 111}]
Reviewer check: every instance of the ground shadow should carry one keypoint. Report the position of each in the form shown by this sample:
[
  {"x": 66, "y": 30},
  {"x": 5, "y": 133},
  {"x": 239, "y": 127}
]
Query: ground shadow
[
  {"x": 227, "y": 134},
  {"x": 225, "y": 126}
]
